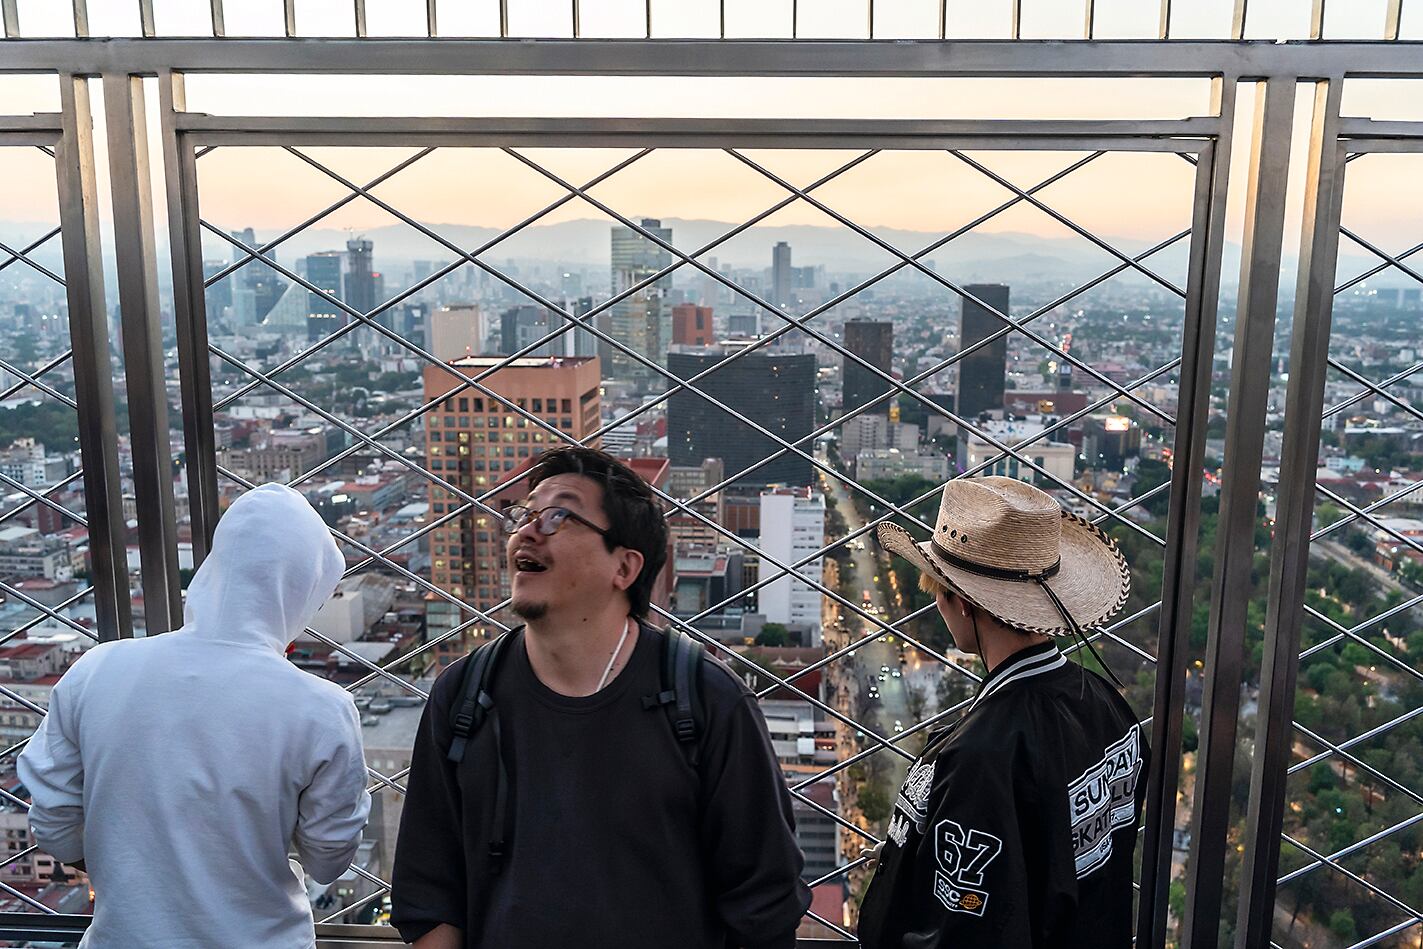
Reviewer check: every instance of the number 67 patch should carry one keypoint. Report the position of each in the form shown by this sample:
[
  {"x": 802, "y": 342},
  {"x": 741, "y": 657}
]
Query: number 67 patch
[{"x": 962, "y": 859}]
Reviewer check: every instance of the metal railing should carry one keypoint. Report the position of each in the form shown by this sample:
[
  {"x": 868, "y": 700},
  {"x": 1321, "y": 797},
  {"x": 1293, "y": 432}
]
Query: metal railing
[
  {"x": 937, "y": 19},
  {"x": 1204, "y": 143}
]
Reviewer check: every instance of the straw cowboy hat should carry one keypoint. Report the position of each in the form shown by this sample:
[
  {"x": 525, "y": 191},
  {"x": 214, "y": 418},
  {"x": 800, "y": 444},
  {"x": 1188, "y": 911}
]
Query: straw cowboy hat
[{"x": 1012, "y": 551}]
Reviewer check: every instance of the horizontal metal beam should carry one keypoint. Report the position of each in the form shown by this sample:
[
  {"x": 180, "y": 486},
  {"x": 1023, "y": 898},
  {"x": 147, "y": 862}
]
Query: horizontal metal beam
[
  {"x": 924, "y": 58},
  {"x": 1405, "y": 146},
  {"x": 1183, "y": 135},
  {"x": 8, "y": 137},
  {"x": 39, "y": 122},
  {"x": 1369, "y": 128}
]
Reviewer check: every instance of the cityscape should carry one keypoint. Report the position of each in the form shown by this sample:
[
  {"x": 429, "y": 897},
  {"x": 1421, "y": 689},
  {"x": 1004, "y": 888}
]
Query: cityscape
[{"x": 781, "y": 405}]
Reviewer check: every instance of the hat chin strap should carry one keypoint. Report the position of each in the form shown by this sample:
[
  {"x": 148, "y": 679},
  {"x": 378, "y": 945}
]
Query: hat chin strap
[
  {"x": 1040, "y": 577},
  {"x": 1077, "y": 631}
]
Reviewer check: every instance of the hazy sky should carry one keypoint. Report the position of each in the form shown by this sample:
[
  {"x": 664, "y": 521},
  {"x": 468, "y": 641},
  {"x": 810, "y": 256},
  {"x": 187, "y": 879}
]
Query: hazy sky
[{"x": 1142, "y": 196}]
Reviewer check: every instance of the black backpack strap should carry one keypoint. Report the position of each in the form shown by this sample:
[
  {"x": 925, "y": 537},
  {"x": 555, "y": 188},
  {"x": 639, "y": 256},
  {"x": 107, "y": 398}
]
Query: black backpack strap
[
  {"x": 473, "y": 703},
  {"x": 684, "y": 658},
  {"x": 473, "y": 706},
  {"x": 681, "y": 660}
]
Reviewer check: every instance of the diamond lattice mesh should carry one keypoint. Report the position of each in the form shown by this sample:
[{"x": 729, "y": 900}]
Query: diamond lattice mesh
[
  {"x": 795, "y": 366},
  {"x": 47, "y": 614},
  {"x": 1348, "y": 864}
]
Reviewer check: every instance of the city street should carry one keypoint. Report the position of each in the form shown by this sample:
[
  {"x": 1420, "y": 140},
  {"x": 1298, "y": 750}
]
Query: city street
[{"x": 869, "y": 660}]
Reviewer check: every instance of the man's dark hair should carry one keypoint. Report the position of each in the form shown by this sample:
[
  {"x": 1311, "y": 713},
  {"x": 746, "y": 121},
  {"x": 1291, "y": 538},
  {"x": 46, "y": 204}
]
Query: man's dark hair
[{"x": 634, "y": 514}]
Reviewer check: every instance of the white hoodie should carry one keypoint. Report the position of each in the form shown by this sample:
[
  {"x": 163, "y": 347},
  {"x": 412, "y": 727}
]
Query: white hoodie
[{"x": 180, "y": 767}]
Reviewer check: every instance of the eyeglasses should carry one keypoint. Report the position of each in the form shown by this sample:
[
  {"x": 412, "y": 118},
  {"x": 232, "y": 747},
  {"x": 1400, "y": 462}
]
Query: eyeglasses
[{"x": 548, "y": 520}]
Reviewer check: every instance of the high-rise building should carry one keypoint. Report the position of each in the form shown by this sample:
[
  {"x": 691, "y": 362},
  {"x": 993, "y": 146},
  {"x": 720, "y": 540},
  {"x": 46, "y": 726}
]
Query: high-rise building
[
  {"x": 638, "y": 322},
  {"x": 413, "y": 323},
  {"x": 456, "y": 331},
  {"x": 363, "y": 284},
  {"x": 244, "y": 308},
  {"x": 219, "y": 295},
  {"x": 982, "y": 372},
  {"x": 782, "y": 276},
  {"x": 746, "y": 325},
  {"x": 872, "y": 341},
  {"x": 477, "y": 442},
  {"x": 521, "y": 326},
  {"x": 264, "y": 284},
  {"x": 290, "y": 317},
  {"x": 322, "y": 316},
  {"x": 692, "y": 325},
  {"x": 775, "y": 391},
  {"x": 247, "y": 236},
  {"x": 578, "y": 341},
  {"x": 685, "y": 482},
  {"x": 792, "y": 529}
]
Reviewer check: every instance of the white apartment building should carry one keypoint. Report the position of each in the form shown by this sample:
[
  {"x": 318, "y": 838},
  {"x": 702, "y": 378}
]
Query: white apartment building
[{"x": 792, "y": 529}]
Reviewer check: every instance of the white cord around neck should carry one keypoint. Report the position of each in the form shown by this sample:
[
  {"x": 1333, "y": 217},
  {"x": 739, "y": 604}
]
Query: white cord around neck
[{"x": 627, "y": 625}]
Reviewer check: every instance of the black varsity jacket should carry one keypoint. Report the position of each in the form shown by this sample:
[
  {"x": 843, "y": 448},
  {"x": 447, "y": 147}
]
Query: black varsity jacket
[{"x": 1016, "y": 826}]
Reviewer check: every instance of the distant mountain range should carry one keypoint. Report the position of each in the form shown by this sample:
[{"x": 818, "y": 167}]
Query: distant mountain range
[
  {"x": 585, "y": 242},
  {"x": 991, "y": 256}
]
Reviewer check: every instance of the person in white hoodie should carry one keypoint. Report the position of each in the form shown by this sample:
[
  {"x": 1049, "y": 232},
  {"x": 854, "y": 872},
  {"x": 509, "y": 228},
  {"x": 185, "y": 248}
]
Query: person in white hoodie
[{"x": 180, "y": 768}]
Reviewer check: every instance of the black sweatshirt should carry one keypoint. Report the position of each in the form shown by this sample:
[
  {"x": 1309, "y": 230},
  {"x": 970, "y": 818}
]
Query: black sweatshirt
[
  {"x": 617, "y": 840},
  {"x": 1016, "y": 826}
]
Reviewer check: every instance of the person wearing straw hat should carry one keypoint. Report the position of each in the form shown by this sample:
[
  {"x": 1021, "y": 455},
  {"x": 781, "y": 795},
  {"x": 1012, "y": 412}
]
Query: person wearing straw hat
[{"x": 1016, "y": 825}]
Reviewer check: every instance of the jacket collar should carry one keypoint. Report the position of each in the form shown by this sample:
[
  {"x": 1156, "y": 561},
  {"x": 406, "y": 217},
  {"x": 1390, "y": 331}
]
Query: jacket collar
[{"x": 1023, "y": 664}]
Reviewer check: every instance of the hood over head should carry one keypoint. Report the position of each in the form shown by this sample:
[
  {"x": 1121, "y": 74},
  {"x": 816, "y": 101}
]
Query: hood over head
[{"x": 272, "y": 564}]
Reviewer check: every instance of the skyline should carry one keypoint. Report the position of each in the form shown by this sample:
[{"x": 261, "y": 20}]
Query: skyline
[
  {"x": 924, "y": 191},
  {"x": 915, "y": 187}
]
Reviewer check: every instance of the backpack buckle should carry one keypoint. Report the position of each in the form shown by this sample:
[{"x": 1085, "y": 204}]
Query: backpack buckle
[{"x": 686, "y": 729}]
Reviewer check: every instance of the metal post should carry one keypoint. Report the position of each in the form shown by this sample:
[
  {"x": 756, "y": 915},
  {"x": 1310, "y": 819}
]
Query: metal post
[
  {"x": 81, "y": 18},
  {"x": 1240, "y": 497},
  {"x": 145, "y": 18},
  {"x": 1392, "y": 19},
  {"x": 1237, "y": 19},
  {"x": 1164, "y": 31},
  {"x": 136, "y": 256},
  {"x": 10, "y": 13},
  {"x": 190, "y": 316},
  {"x": 1178, "y": 580},
  {"x": 1289, "y": 554},
  {"x": 1316, "y": 20},
  {"x": 360, "y": 17},
  {"x": 93, "y": 374},
  {"x": 289, "y": 17}
]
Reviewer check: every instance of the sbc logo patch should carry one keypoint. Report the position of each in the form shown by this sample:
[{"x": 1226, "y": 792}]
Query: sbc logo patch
[{"x": 962, "y": 857}]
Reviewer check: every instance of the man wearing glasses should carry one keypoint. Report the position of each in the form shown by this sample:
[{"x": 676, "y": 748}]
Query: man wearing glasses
[{"x": 574, "y": 816}]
